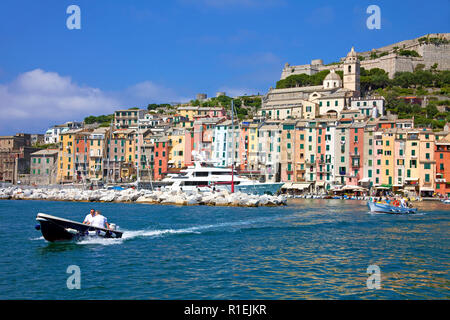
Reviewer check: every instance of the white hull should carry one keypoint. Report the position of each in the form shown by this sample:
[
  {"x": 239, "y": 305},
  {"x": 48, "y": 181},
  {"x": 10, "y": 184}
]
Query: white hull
[{"x": 208, "y": 178}]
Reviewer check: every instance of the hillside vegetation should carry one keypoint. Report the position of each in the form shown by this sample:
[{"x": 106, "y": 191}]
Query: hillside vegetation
[{"x": 432, "y": 83}]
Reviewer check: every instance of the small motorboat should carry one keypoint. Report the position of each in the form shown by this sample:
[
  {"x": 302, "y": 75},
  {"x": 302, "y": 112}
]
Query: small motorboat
[
  {"x": 386, "y": 208},
  {"x": 59, "y": 229},
  {"x": 446, "y": 201}
]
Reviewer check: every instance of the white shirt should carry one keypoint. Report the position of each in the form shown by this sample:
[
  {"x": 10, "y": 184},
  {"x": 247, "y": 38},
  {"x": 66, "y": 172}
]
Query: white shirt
[
  {"x": 99, "y": 221},
  {"x": 89, "y": 218}
]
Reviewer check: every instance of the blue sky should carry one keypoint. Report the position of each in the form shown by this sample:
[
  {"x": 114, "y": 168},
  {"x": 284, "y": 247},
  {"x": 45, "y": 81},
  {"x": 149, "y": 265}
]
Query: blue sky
[{"x": 131, "y": 53}]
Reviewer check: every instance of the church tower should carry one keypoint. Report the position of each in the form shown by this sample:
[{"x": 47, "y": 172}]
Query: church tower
[{"x": 351, "y": 72}]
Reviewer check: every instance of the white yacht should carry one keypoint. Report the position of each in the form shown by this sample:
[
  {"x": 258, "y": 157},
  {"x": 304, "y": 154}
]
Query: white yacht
[{"x": 204, "y": 177}]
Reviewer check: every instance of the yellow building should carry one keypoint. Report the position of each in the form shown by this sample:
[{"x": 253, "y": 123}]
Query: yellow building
[
  {"x": 66, "y": 166},
  {"x": 122, "y": 153},
  {"x": 188, "y": 111},
  {"x": 97, "y": 155},
  {"x": 253, "y": 147},
  {"x": 412, "y": 161},
  {"x": 176, "y": 154},
  {"x": 387, "y": 158}
]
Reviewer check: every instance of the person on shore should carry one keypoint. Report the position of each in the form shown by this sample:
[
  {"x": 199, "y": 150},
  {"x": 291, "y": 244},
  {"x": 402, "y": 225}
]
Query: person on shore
[
  {"x": 100, "y": 221},
  {"x": 90, "y": 216}
]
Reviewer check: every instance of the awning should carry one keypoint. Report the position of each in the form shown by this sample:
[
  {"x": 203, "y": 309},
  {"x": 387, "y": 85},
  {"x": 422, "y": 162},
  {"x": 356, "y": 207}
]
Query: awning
[
  {"x": 320, "y": 183},
  {"x": 353, "y": 188},
  {"x": 363, "y": 180},
  {"x": 300, "y": 186},
  {"x": 411, "y": 179},
  {"x": 398, "y": 185},
  {"x": 427, "y": 189},
  {"x": 287, "y": 185},
  {"x": 347, "y": 187}
]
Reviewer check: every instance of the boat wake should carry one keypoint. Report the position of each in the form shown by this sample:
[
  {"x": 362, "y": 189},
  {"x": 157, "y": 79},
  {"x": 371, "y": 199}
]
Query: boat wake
[
  {"x": 38, "y": 238},
  {"x": 147, "y": 233}
]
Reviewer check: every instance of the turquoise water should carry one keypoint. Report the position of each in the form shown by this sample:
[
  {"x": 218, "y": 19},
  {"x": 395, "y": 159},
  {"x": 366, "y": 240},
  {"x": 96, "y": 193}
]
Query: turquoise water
[{"x": 310, "y": 249}]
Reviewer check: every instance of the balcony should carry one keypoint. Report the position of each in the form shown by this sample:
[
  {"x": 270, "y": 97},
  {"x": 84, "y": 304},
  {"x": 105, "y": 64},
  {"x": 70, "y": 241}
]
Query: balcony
[{"x": 355, "y": 155}]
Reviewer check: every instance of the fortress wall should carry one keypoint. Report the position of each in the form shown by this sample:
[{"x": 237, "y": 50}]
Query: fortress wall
[
  {"x": 412, "y": 44},
  {"x": 391, "y": 63},
  {"x": 436, "y": 54}
]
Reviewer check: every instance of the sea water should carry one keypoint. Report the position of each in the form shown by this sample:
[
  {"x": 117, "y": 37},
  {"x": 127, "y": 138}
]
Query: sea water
[{"x": 309, "y": 249}]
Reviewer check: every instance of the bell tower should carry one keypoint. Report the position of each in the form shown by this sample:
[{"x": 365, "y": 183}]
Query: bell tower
[{"x": 351, "y": 73}]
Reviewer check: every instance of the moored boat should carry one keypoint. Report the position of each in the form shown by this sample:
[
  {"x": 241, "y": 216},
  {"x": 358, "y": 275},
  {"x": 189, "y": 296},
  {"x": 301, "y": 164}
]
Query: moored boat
[
  {"x": 386, "y": 208},
  {"x": 206, "y": 177},
  {"x": 59, "y": 229}
]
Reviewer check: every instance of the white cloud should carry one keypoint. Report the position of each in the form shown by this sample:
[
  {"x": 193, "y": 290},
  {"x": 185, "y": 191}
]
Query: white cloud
[
  {"x": 38, "y": 99},
  {"x": 40, "y": 94}
]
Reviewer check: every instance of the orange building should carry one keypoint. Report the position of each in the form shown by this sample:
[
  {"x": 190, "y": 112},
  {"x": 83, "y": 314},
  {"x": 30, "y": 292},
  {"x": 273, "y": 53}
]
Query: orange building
[{"x": 162, "y": 150}]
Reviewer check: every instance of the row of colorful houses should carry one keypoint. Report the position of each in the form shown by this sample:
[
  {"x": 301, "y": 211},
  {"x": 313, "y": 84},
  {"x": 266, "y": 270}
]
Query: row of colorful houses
[{"x": 318, "y": 155}]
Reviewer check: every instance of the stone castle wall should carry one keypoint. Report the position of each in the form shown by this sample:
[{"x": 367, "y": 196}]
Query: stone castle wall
[{"x": 391, "y": 63}]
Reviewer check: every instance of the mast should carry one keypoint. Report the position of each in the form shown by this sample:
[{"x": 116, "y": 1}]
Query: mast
[
  {"x": 108, "y": 146},
  {"x": 232, "y": 149}
]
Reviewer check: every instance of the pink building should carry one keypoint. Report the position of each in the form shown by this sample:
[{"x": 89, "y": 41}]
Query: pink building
[
  {"x": 356, "y": 152},
  {"x": 214, "y": 112},
  {"x": 203, "y": 136},
  {"x": 188, "y": 147},
  {"x": 321, "y": 145}
]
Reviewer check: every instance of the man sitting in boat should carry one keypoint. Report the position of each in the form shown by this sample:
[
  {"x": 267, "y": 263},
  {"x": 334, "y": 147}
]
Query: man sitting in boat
[
  {"x": 90, "y": 216},
  {"x": 99, "y": 221},
  {"x": 403, "y": 203}
]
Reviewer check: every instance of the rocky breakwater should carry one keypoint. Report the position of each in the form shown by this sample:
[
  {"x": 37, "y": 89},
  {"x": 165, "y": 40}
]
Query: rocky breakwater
[{"x": 217, "y": 198}]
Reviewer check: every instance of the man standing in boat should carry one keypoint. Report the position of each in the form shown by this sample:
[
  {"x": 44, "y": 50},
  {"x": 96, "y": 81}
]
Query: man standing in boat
[
  {"x": 89, "y": 217},
  {"x": 99, "y": 221}
]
